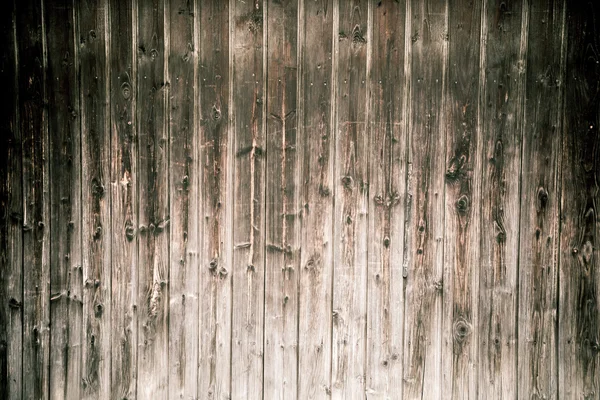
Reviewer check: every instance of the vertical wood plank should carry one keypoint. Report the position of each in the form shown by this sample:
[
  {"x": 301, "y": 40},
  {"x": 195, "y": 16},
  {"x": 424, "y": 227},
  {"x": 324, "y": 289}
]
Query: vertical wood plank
[
  {"x": 283, "y": 206},
  {"x": 65, "y": 202},
  {"x": 503, "y": 46},
  {"x": 11, "y": 216},
  {"x": 540, "y": 202},
  {"x": 579, "y": 308},
  {"x": 385, "y": 189},
  {"x": 315, "y": 313},
  {"x": 183, "y": 191},
  {"x": 214, "y": 373},
  {"x": 425, "y": 222},
  {"x": 153, "y": 181},
  {"x": 351, "y": 204},
  {"x": 36, "y": 221},
  {"x": 462, "y": 202},
  {"x": 123, "y": 193},
  {"x": 248, "y": 203},
  {"x": 95, "y": 181}
]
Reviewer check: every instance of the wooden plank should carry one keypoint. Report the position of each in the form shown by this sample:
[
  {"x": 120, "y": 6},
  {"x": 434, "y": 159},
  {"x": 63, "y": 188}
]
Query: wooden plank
[
  {"x": 95, "y": 181},
  {"x": 463, "y": 172},
  {"x": 318, "y": 142},
  {"x": 66, "y": 280},
  {"x": 153, "y": 195},
  {"x": 123, "y": 194},
  {"x": 216, "y": 196},
  {"x": 283, "y": 199},
  {"x": 183, "y": 190},
  {"x": 11, "y": 217},
  {"x": 503, "y": 46},
  {"x": 351, "y": 204},
  {"x": 246, "y": 66},
  {"x": 428, "y": 33},
  {"x": 385, "y": 188},
  {"x": 579, "y": 280},
  {"x": 31, "y": 48},
  {"x": 540, "y": 202}
]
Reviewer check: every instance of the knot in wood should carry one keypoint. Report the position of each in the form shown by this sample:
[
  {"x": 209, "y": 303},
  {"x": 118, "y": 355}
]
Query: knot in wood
[
  {"x": 462, "y": 329},
  {"x": 542, "y": 198},
  {"x": 126, "y": 90},
  {"x": 129, "y": 232},
  {"x": 357, "y": 35},
  {"x": 348, "y": 182},
  {"x": 462, "y": 204}
]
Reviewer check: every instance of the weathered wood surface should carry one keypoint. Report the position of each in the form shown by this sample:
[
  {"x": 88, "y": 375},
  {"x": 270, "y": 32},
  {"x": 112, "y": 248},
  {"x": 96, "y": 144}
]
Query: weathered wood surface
[
  {"x": 66, "y": 281},
  {"x": 299, "y": 199}
]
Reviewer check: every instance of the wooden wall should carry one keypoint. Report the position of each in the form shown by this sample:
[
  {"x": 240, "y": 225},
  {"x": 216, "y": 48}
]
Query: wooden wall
[{"x": 306, "y": 199}]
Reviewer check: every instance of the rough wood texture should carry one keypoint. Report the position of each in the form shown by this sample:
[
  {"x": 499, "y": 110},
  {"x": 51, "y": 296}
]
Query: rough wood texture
[
  {"x": 214, "y": 373},
  {"x": 540, "y": 202},
  {"x": 579, "y": 290},
  {"x": 31, "y": 49},
  {"x": 66, "y": 280},
  {"x": 504, "y": 35},
  {"x": 351, "y": 202},
  {"x": 153, "y": 193},
  {"x": 247, "y": 75},
  {"x": 184, "y": 201},
  {"x": 123, "y": 195},
  {"x": 11, "y": 217},
  {"x": 95, "y": 195},
  {"x": 425, "y": 187},
  {"x": 463, "y": 202},
  {"x": 283, "y": 204},
  {"x": 299, "y": 199},
  {"x": 316, "y": 269},
  {"x": 385, "y": 189}
]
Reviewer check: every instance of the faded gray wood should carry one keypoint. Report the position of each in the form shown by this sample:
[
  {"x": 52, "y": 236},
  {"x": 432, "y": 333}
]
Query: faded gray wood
[
  {"x": 462, "y": 232},
  {"x": 183, "y": 202},
  {"x": 350, "y": 190},
  {"x": 426, "y": 175},
  {"x": 216, "y": 207},
  {"x": 540, "y": 202},
  {"x": 502, "y": 96},
  {"x": 248, "y": 79},
  {"x": 283, "y": 203},
  {"x": 153, "y": 194},
  {"x": 299, "y": 199},
  {"x": 318, "y": 140},
  {"x": 66, "y": 302},
  {"x": 123, "y": 197},
  {"x": 31, "y": 50},
  {"x": 579, "y": 280},
  {"x": 11, "y": 217},
  {"x": 95, "y": 186},
  {"x": 385, "y": 188}
]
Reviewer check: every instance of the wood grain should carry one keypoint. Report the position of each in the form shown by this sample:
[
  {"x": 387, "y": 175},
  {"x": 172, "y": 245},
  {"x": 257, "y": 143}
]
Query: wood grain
[
  {"x": 247, "y": 69},
  {"x": 11, "y": 217},
  {"x": 350, "y": 190},
  {"x": 425, "y": 188},
  {"x": 318, "y": 140},
  {"x": 66, "y": 302},
  {"x": 388, "y": 74},
  {"x": 184, "y": 201},
  {"x": 95, "y": 187},
  {"x": 124, "y": 200},
  {"x": 462, "y": 231},
  {"x": 579, "y": 283},
  {"x": 153, "y": 194},
  {"x": 504, "y": 40},
  {"x": 283, "y": 203},
  {"x": 540, "y": 203},
  {"x": 216, "y": 255}
]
